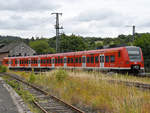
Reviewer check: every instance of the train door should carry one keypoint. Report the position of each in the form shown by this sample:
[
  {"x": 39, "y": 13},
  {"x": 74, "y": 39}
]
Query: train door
[
  {"x": 53, "y": 62},
  {"x": 65, "y": 62},
  {"x": 18, "y": 62},
  {"x": 83, "y": 61},
  {"x": 101, "y": 60}
]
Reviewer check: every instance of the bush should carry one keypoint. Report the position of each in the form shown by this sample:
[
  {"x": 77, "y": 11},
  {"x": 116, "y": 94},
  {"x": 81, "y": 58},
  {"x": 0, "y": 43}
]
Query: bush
[
  {"x": 61, "y": 75},
  {"x": 3, "y": 68}
]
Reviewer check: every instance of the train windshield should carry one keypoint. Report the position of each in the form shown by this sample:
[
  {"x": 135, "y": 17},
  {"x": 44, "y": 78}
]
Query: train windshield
[{"x": 134, "y": 53}]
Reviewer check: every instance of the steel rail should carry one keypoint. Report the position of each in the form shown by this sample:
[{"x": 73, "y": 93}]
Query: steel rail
[{"x": 46, "y": 93}]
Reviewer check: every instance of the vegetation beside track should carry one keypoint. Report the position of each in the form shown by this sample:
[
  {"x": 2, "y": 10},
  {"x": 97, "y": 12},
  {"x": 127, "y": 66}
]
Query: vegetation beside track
[
  {"x": 89, "y": 90},
  {"x": 25, "y": 95}
]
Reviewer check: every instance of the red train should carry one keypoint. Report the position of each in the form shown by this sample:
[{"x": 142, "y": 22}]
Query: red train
[{"x": 128, "y": 58}]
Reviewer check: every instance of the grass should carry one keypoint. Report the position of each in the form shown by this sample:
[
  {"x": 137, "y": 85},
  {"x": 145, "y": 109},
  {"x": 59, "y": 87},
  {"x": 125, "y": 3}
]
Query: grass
[
  {"x": 3, "y": 68},
  {"x": 26, "y": 95},
  {"x": 90, "y": 90}
]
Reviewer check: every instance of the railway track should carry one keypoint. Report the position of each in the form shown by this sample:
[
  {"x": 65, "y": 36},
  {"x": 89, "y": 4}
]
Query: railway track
[
  {"x": 129, "y": 83},
  {"x": 44, "y": 101}
]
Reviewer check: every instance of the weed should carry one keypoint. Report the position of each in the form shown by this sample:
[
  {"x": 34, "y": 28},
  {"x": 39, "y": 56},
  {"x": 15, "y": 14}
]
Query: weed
[
  {"x": 61, "y": 75},
  {"x": 92, "y": 89},
  {"x": 3, "y": 68},
  {"x": 32, "y": 77}
]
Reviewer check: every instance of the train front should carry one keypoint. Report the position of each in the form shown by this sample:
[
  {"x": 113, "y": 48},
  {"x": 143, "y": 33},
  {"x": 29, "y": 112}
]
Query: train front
[{"x": 136, "y": 61}]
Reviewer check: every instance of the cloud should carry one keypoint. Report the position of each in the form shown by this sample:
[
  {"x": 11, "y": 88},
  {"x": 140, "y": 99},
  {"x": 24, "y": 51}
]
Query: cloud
[
  {"x": 16, "y": 22},
  {"x": 27, "y": 5},
  {"x": 96, "y": 15}
]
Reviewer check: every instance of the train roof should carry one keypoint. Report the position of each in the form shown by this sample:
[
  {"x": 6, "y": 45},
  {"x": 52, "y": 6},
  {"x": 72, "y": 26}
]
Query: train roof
[{"x": 76, "y": 53}]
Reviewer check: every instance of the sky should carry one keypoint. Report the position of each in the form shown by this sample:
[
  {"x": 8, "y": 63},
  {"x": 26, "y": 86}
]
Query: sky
[{"x": 88, "y": 18}]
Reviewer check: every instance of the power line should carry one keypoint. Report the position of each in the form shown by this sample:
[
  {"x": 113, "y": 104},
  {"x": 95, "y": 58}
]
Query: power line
[{"x": 57, "y": 27}]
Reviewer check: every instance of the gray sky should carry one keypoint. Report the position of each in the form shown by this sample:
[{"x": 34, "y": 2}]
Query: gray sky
[{"x": 100, "y": 18}]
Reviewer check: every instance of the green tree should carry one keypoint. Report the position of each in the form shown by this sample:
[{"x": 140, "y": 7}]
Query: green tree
[
  {"x": 41, "y": 46},
  {"x": 72, "y": 43},
  {"x": 143, "y": 41}
]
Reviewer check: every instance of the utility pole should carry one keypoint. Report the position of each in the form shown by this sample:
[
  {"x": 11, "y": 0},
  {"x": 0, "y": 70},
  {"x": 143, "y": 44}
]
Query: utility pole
[
  {"x": 57, "y": 27},
  {"x": 133, "y": 32}
]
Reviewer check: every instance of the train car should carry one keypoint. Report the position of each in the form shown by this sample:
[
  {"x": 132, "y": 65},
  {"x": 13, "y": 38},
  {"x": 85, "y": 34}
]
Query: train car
[{"x": 128, "y": 58}]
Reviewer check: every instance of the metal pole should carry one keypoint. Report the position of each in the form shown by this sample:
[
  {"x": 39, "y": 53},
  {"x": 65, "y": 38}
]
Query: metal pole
[
  {"x": 57, "y": 30},
  {"x": 133, "y": 32}
]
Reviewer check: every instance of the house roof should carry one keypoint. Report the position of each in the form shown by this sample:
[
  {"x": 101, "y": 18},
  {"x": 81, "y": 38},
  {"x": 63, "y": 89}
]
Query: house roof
[{"x": 8, "y": 47}]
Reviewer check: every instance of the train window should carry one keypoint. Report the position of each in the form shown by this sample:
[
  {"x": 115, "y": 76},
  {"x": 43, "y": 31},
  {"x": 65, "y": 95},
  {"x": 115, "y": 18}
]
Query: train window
[
  {"x": 92, "y": 59},
  {"x": 65, "y": 60},
  {"x": 112, "y": 58},
  {"x": 119, "y": 54},
  {"x": 6, "y": 62},
  {"x": 61, "y": 60},
  {"x": 55, "y": 60},
  {"x": 96, "y": 59},
  {"x": 80, "y": 60},
  {"x": 68, "y": 60},
  {"x": 15, "y": 61},
  {"x": 83, "y": 59},
  {"x": 76, "y": 60},
  {"x": 29, "y": 61},
  {"x": 50, "y": 61},
  {"x": 71, "y": 60},
  {"x": 88, "y": 60},
  {"x": 47, "y": 61},
  {"x": 106, "y": 59}
]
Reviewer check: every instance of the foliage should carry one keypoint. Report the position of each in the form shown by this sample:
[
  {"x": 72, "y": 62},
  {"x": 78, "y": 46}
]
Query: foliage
[
  {"x": 3, "y": 68},
  {"x": 91, "y": 90},
  {"x": 143, "y": 41},
  {"x": 61, "y": 75},
  {"x": 72, "y": 43},
  {"x": 32, "y": 77},
  {"x": 41, "y": 46},
  {"x": 26, "y": 95}
]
